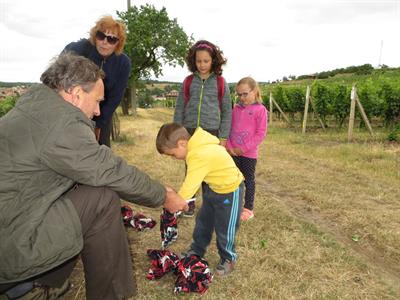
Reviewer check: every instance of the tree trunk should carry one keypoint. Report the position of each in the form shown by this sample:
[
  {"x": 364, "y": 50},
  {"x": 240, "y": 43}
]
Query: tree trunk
[
  {"x": 125, "y": 102},
  {"x": 115, "y": 127},
  {"x": 133, "y": 98}
]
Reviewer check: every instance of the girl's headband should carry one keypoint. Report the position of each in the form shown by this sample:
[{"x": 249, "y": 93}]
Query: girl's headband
[{"x": 205, "y": 46}]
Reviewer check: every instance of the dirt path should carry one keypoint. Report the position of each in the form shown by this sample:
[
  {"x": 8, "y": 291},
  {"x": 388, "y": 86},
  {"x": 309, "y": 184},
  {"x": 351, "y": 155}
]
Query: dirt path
[{"x": 299, "y": 209}]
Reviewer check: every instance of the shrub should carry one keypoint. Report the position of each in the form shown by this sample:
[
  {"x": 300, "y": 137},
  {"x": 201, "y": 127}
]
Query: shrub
[
  {"x": 394, "y": 136},
  {"x": 7, "y": 104}
]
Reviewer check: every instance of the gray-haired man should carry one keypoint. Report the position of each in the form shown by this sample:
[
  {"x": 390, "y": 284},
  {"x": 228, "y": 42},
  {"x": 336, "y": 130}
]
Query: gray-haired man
[{"x": 60, "y": 190}]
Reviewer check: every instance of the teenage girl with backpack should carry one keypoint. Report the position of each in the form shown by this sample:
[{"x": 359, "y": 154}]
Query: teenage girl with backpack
[
  {"x": 204, "y": 100},
  {"x": 249, "y": 128}
]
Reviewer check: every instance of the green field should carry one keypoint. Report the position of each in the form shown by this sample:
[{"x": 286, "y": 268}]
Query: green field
[{"x": 326, "y": 220}]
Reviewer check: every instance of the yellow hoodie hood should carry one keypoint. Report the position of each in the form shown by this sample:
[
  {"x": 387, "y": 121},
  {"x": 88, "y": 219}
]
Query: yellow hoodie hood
[{"x": 208, "y": 161}]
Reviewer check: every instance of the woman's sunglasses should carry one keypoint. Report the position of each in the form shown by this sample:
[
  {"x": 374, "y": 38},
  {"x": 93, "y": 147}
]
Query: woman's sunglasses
[{"x": 112, "y": 40}]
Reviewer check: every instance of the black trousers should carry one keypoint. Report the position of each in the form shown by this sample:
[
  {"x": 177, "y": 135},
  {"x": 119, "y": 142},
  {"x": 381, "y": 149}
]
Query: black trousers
[
  {"x": 105, "y": 255},
  {"x": 248, "y": 168},
  {"x": 105, "y": 135}
]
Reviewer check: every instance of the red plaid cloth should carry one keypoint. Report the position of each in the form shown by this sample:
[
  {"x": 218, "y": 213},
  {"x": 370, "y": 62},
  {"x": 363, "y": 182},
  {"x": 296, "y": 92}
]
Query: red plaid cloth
[
  {"x": 168, "y": 228},
  {"x": 193, "y": 273},
  {"x": 138, "y": 221},
  {"x": 162, "y": 262}
]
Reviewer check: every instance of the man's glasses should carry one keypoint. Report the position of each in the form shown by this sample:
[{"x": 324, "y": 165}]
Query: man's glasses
[{"x": 112, "y": 40}]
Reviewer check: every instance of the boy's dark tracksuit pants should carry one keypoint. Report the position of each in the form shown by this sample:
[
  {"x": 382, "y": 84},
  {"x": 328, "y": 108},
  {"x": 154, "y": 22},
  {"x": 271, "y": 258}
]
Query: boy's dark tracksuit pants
[{"x": 219, "y": 212}]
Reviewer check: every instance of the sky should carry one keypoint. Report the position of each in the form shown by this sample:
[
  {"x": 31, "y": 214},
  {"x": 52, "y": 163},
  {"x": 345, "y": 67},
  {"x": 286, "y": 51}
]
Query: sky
[{"x": 265, "y": 39}]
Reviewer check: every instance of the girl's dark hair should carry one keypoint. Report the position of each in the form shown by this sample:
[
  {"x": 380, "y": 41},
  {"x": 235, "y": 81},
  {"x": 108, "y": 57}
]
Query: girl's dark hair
[{"x": 218, "y": 59}]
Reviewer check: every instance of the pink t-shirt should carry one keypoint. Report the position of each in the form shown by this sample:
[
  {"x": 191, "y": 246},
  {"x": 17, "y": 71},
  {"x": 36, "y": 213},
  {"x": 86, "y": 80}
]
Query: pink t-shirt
[{"x": 249, "y": 128}]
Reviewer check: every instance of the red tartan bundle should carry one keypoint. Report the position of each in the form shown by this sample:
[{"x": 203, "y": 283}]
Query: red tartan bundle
[
  {"x": 193, "y": 273},
  {"x": 162, "y": 262},
  {"x": 138, "y": 221},
  {"x": 168, "y": 228}
]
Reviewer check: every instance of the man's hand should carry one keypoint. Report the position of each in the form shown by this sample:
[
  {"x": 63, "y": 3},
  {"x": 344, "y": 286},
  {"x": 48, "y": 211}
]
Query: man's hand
[
  {"x": 222, "y": 142},
  {"x": 173, "y": 202}
]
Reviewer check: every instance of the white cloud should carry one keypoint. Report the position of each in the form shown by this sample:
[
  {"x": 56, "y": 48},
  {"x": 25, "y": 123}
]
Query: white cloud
[{"x": 264, "y": 39}]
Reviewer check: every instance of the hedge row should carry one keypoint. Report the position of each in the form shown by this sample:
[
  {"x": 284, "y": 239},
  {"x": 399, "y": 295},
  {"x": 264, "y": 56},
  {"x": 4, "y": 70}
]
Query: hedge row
[{"x": 380, "y": 99}]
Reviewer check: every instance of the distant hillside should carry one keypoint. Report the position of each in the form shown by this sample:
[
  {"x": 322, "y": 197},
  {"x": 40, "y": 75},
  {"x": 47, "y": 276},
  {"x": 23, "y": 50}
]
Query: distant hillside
[
  {"x": 345, "y": 78},
  {"x": 13, "y": 84}
]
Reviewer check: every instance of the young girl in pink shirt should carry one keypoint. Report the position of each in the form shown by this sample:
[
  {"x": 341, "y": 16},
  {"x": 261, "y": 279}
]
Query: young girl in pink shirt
[{"x": 248, "y": 130}]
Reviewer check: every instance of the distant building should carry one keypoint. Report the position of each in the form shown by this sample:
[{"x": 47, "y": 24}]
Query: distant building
[
  {"x": 172, "y": 95},
  {"x": 15, "y": 91},
  {"x": 160, "y": 98}
]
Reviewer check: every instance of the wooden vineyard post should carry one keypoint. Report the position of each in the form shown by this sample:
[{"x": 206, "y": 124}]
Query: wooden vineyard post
[
  {"x": 316, "y": 113},
  {"x": 363, "y": 114},
  {"x": 309, "y": 100},
  {"x": 280, "y": 110},
  {"x": 270, "y": 109},
  {"x": 352, "y": 113},
  {"x": 306, "y": 110},
  {"x": 354, "y": 100}
]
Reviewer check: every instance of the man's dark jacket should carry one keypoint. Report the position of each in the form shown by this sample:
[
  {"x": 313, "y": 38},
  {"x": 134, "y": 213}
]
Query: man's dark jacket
[{"x": 47, "y": 146}]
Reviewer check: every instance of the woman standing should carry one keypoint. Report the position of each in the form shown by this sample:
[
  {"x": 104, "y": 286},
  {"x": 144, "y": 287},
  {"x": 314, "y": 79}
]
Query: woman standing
[{"x": 104, "y": 47}]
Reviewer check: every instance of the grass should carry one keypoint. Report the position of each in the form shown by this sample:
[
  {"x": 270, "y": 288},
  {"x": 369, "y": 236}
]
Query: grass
[{"x": 326, "y": 220}]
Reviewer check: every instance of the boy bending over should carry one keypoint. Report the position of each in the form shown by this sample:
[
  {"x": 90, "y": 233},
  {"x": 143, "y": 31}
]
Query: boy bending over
[{"x": 208, "y": 165}]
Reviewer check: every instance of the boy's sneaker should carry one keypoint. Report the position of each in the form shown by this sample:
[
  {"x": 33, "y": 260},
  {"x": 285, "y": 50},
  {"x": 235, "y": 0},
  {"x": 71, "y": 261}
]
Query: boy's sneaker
[
  {"x": 246, "y": 214},
  {"x": 225, "y": 267},
  {"x": 190, "y": 212}
]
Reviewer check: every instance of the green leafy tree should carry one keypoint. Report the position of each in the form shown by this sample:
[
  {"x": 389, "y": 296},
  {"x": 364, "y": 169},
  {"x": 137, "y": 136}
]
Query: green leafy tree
[
  {"x": 175, "y": 86},
  {"x": 145, "y": 98},
  {"x": 365, "y": 69},
  {"x": 153, "y": 40},
  {"x": 157, "y": 91},
  {"x": 168, "y": 88}
]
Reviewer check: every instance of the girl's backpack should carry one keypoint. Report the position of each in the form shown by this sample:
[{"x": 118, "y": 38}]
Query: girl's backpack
[{"x": 188, "y": 81}]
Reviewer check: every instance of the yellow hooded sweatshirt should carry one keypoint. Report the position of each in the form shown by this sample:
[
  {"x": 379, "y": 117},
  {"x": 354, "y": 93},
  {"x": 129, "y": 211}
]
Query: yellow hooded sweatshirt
[{"x": 208, "y": 161}]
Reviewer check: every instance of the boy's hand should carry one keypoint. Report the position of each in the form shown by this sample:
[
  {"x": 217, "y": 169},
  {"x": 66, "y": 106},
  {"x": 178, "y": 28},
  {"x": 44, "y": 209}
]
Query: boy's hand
[{"x": 173, "y": 202}]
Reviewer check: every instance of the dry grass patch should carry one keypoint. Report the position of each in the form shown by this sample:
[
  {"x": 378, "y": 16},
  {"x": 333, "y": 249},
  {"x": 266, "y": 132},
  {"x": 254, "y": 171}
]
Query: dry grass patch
[{"x": 326, "y": 224}]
